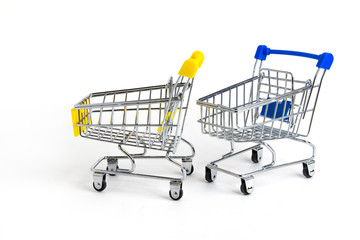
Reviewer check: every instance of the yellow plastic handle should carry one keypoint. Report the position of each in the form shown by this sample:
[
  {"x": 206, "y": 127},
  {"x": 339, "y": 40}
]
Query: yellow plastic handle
[{"x": 190, "y": 66}]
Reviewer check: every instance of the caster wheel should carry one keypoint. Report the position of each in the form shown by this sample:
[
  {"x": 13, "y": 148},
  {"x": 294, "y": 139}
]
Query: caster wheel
[
  {"x": 308, "y": 170},
  {"x": 254, "y": 157},
  {"x": 256, "y": 154},
  {"x": 243, "y": 189},
  {"x": 176, "y": 191},
  {"x": 190, "y": 171},
  {"x": 187, "y": 164},
  {"x": 107, "y": 169},
  {"x": 210, "y": 174},
  {"x": 246, "y": 186},
  {"x": 99, "y": 182},
  {"x": 176, "y": 196},
  {"x": 100, "y": 188}
]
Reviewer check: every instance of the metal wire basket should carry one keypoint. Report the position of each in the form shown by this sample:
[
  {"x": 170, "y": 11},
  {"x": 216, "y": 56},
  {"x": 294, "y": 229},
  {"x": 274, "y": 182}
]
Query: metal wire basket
[{"x": 148, "y": 117}]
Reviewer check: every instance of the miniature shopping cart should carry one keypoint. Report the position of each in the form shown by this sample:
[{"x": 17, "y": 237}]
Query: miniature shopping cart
[
  {"x": 148, "y": 117},
  {"x": 270, "y": 105}
]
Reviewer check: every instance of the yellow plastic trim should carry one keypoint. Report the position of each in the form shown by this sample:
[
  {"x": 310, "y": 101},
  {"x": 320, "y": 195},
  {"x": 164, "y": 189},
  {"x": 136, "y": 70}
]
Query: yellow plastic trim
[
  {"x": 77, "y": 116},
  {"x": 167, "y": 117},
  {"x": 190, "y": 66},
  {"x": 75, "y": 120}
]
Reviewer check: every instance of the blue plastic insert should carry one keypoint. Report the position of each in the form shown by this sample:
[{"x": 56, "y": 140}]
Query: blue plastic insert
[{"x": 279, "y": 111}]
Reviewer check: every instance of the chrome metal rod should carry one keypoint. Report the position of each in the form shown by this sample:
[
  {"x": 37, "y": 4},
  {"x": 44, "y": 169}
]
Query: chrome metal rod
[
  {"x": 233, "y": 154},
  {"x": 183, "y": 171},
  {"x": 133, "y": 165},
  {"x": 191, "y": 147},
  {"x": 269, "y": 166},
  {"x": 273, "y": 155}
]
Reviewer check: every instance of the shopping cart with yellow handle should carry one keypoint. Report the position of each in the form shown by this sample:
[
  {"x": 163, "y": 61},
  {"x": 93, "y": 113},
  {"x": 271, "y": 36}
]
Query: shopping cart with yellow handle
[
  {"x": 147, "y": 117},
  {"x": 270, "y": 105}
]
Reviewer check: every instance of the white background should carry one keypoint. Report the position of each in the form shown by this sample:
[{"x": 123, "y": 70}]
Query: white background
[{"x": 52, "y": 53}]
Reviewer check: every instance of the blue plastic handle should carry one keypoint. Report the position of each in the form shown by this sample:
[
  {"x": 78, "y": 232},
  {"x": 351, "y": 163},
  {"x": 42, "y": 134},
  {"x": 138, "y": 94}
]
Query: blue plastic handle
[{"x": 325, "y": 60}]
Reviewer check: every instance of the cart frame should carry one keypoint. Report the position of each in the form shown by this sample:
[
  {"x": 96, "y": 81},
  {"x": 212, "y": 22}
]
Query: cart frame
[
  {"x": 270, "y": 105},
  {"x": 147, "y": 117}
]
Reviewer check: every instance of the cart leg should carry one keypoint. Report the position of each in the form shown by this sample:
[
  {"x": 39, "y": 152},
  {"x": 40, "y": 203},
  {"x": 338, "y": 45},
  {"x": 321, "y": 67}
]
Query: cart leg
[
  {"x": 133, "y": 165},
  {"x": 176, "y": 191},
  {"x": 191, "y": 147},
  {"x": 112, "y": 165},
  {"x": 210, "y": 173},
  {"x": 273, "y": 155},
  {"x": 247, "y": 185},
  {"x": 183, "y": 171},
  {"x": 187, "y": 160},
  {"x": 99, "y": 183},
  {"x": 231, "y": 150},
  {"x": 187, "y": 164},
  {"x": 256, "y": 154},
  {"x": 308, "y": 164}
]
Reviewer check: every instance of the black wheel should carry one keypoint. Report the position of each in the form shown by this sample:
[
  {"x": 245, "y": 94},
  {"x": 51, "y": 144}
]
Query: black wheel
[
  {"x": 208, "y": 176},
  {"x": 306, "y": 172},
  {"x": 107, "y": 169},
  {"x": 176, "y": 197},
  {"x": 243, "y": 187},
  {"x": 191, "y": 170},
  {"x": 254, "y": 156},
  {"x": 103, "y": 186}
]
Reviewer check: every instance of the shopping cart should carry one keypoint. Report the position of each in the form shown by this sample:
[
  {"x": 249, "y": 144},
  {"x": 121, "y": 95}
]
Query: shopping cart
[
  {"x": 270, "y": 105},
  {"x": 148, "y": 117}
]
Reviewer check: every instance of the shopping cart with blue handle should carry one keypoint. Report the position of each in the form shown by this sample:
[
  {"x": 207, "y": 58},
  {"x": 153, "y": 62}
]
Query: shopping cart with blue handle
[
  {"x": 270, "y": 105},
  {"x": 147, "y": 117}
]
